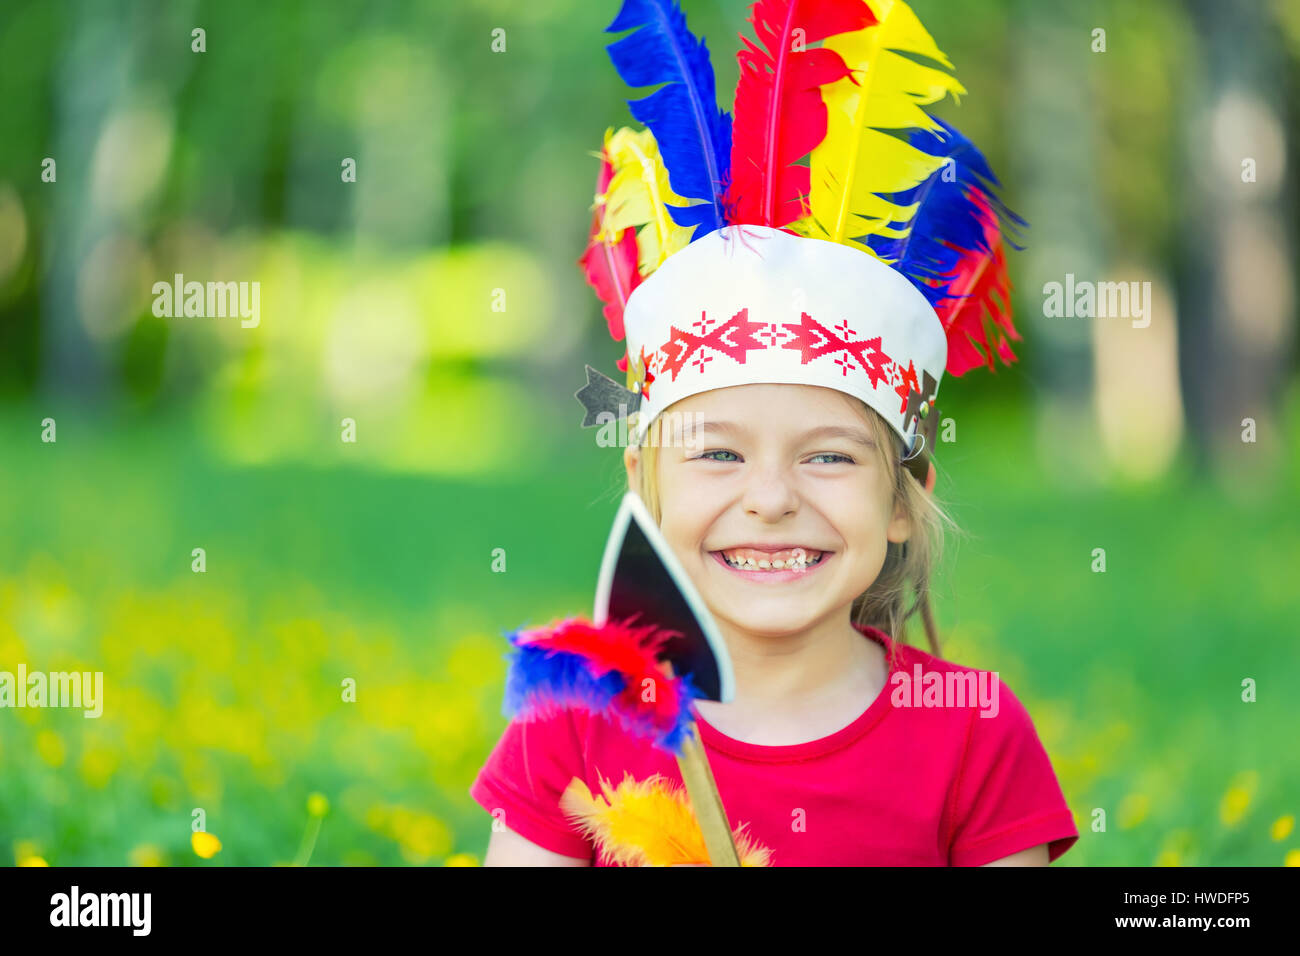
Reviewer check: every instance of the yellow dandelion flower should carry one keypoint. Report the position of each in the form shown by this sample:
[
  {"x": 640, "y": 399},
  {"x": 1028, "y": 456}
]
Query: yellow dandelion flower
[
  {"x": 205, "y": 844},
  {"x": 26, "y": 854},
  {"x": 1233, "y": 806},
  {"x": 317, "y": 807},
  {"x": 461, "y": 859},
  {"x": 422, "y": 835},
  {"x": 1176, "y": 848},
  {"x": 1292, "y": 858},
  {"x": 1281, "y": 828},
  {"x": 146, "y": 854}
]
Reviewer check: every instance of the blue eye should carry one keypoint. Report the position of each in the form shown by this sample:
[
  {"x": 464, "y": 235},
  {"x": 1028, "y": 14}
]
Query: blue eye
[{"x": 705, "y": 456}]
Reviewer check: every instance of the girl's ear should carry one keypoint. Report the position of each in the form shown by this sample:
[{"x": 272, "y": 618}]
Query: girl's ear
[
  {"x": 632, "y": 462},
  {"x": 900, "y": 526}
]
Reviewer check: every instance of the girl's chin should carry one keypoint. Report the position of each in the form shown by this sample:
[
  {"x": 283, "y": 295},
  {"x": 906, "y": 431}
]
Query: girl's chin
[{"x": 770, "y": 618}]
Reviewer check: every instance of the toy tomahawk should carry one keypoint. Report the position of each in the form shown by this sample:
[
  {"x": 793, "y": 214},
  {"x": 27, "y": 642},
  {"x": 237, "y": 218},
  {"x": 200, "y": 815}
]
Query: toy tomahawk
[{"x": 650, "y": 651}]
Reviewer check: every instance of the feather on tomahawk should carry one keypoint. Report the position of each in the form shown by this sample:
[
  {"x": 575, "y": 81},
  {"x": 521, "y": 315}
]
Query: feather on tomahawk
[
  {"x": 648, "y": 823},
  {"x": 604, "y": 669}
]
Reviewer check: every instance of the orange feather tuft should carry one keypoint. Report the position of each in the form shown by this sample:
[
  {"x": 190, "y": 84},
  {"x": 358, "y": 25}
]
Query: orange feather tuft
[{"x": 648, "y": 823}]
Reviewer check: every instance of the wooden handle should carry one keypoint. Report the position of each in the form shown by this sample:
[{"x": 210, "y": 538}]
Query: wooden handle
[{"x": 707, "y": 804}]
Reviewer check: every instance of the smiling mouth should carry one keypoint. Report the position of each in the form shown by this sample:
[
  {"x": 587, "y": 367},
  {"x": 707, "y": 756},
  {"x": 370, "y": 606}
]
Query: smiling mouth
[
  {"x": 785, "y": 565},
  {"x": 748, "y": 559}
]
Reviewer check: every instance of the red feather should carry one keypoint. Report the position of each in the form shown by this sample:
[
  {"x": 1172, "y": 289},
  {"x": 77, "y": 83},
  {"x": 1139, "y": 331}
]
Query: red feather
[
  {"x": 979, "y": 286},
  {"x": 620, "y": 647},
  {"x": 609, "y": 264},
  {"x": 779, "y": 111}
]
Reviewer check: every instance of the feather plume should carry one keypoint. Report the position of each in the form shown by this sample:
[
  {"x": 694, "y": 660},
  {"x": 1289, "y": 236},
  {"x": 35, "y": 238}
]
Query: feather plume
[
  {"x": 780, "y": 114},
  {"x": 647, "y": 823},
  {"x": 639, "y": 196},
  {"x": 977, "y": 312},
  {"x": 947, "y": 221},
  {"x": 953, "y": 252},
  {"x": 605, "y": 670},
  {"x": 694, "y": 136},
  {"x": 610, "y": 260},
  {"x": 860, "y": 161}
]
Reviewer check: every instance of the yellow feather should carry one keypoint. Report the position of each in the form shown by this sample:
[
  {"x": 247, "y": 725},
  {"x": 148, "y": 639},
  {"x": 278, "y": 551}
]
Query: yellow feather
[
  {"x": 647, "y": 823},
  {"x": 858, "y": 159},
  {"x": 638, "y": 196}
]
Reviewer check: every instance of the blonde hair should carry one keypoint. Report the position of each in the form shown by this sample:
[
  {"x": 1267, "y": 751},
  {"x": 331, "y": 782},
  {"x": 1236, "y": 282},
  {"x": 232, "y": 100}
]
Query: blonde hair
[{"x": 908, "y": 566}]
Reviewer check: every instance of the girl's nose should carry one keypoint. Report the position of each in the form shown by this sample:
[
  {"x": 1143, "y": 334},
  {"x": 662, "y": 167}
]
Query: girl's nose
[{"x": 770, "y": 494}]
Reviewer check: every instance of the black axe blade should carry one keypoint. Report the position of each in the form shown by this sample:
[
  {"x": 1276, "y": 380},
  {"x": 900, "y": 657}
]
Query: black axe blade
[
  {"x": 604, "y": 396},
  {"x": 640, "y": 577}
]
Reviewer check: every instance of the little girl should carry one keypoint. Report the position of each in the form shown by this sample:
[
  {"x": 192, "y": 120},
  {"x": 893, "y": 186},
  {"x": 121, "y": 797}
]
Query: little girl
[{"x": 784, "y": 351}]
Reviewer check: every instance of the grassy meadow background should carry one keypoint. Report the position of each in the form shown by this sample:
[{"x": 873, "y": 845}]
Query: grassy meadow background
[{"x": 373, "y": 561}]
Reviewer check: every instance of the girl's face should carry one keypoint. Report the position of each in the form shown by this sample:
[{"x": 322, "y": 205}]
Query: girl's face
[{"x": 774, "y": 473}]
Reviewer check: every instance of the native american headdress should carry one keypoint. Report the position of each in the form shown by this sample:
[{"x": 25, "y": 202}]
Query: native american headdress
[{"x": 724, "y": 259}]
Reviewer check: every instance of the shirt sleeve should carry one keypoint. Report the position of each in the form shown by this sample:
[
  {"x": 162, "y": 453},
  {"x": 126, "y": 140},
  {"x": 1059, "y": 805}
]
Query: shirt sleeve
[
  {"x": 521, "y": 783},
  {"x": 1007, "y": 797}
]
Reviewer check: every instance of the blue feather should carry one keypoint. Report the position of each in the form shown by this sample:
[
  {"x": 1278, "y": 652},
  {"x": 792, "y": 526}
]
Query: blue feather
[
  {"x": 693, "y": 134},
  {"x": 538, "y": 675},
  {"x": 945, "y": 212},
  {"x": 541, "y": 681}
]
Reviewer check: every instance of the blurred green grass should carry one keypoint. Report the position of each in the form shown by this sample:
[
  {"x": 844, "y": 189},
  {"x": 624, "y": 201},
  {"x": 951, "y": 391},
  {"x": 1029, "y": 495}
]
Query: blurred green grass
[{"x": 222, "y": 689}]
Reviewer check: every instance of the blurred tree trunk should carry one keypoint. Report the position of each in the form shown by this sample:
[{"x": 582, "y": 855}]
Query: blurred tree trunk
[
  {"x": 92, "y": 76},
  {"x": 1054, "y": 174},
  {"x": 1235, "y": 292}
]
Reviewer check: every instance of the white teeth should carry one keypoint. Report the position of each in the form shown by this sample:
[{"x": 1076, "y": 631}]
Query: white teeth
[{"x": 798, "y": 563}]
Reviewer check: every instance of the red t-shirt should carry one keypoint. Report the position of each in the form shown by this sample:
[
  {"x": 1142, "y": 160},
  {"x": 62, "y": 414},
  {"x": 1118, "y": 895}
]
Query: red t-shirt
[{"x": 899, "y": 786}]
